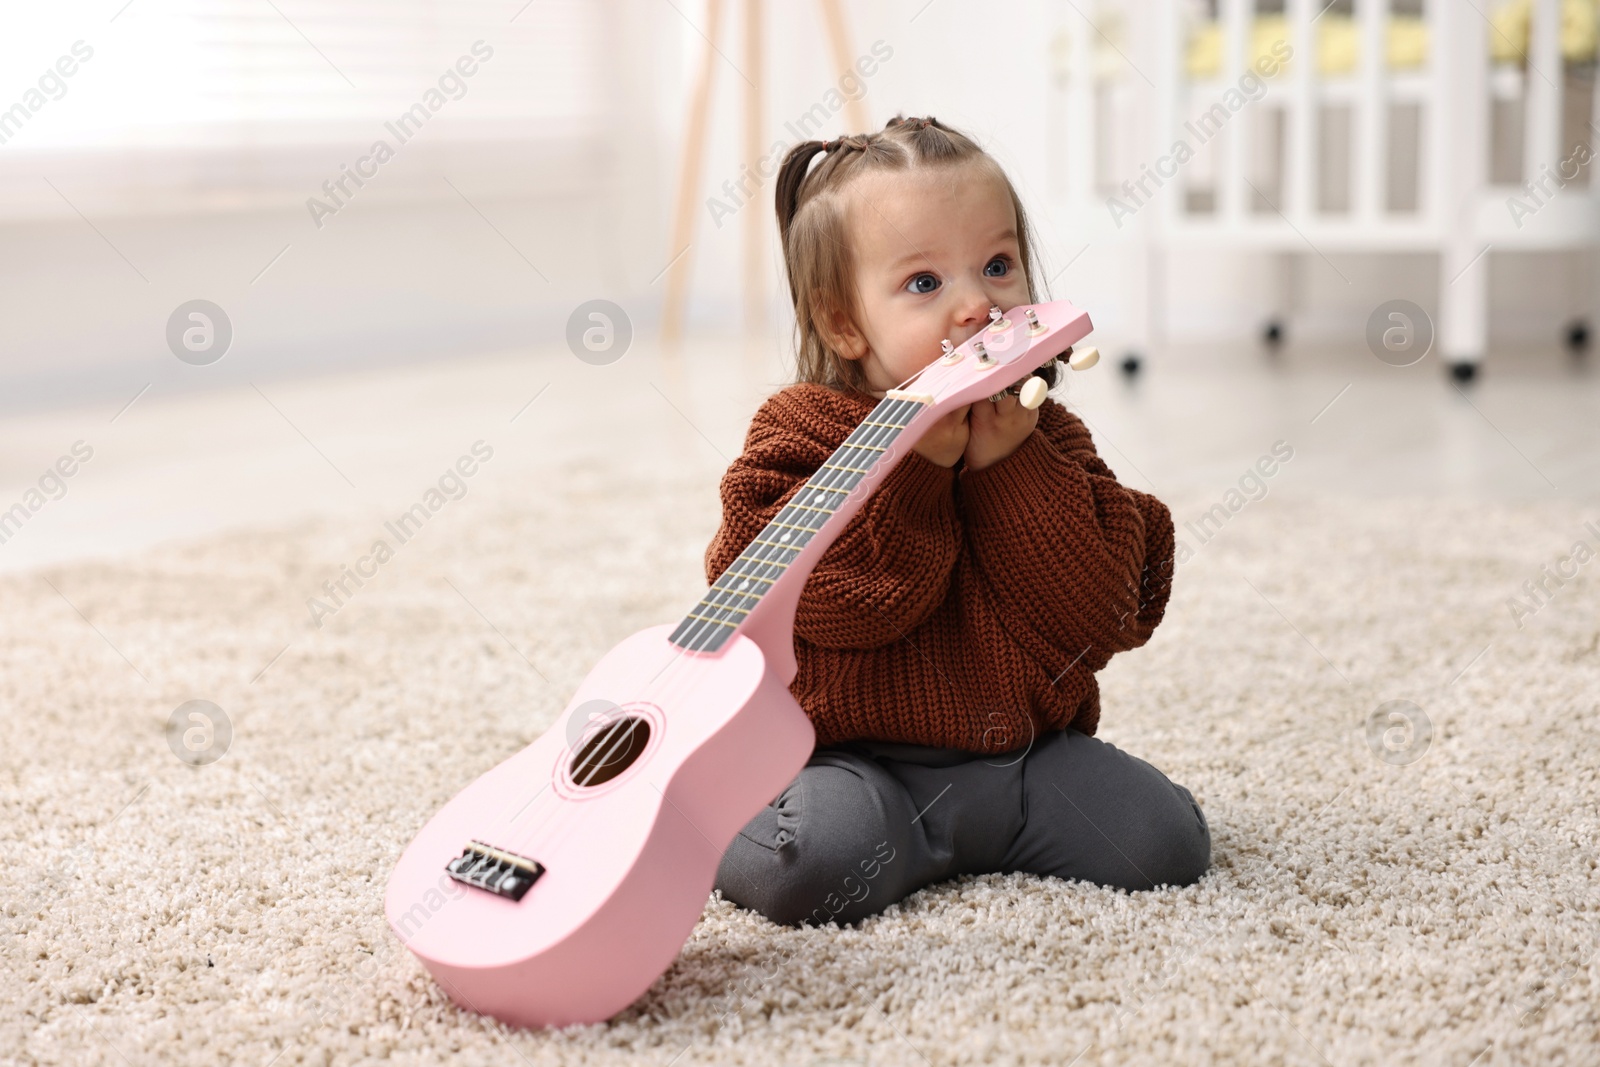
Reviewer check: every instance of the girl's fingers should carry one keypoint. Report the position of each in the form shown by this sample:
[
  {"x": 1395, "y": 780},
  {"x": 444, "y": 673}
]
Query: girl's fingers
[{"x": 1005, "y": 405}]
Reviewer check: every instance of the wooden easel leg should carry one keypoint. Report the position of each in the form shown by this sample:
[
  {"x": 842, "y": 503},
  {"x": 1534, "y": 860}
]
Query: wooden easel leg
[
  {"x": 673, "y": 309},
  {"x": 755, "y": 217},
  {"x": 839, "y": 41},
  {"x": 675, "y": 301}
]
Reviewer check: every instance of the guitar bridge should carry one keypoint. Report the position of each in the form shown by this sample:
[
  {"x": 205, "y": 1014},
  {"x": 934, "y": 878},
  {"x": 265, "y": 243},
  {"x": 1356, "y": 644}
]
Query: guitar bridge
[{"x": 505, "y": 874}]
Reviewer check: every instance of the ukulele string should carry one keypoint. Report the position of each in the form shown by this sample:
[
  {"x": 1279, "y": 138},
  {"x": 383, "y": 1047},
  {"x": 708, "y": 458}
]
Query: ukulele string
[
  {"x": 877, "y": 438},
  {"x": 704, "y": 630},
  {"x": 878, "y": 444},
  {"x": 939, "y": 371},
  {"x": 702, "y": 633}
]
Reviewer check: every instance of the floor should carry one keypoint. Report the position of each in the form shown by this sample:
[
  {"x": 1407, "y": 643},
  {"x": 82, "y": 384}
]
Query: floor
[
  {"x": 174, "y": 464},
  {"x": 1397, "y": 765}
]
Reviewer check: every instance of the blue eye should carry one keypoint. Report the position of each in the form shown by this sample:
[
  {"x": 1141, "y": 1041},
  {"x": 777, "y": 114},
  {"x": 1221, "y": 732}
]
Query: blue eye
[
  {"x": 915, "y": 288},
  {"x": 1005, "y": 267}
]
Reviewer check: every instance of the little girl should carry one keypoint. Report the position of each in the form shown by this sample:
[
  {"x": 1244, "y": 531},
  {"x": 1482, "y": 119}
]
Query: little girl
[{"x": 947, "y": 641}]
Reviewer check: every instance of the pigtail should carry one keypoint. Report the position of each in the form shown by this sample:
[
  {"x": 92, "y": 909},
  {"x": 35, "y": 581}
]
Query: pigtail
[{"x": 790, "y": 177}]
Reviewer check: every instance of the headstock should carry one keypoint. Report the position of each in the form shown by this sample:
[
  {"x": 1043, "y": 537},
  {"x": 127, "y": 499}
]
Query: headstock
[{"x": 1001, "y": 356}]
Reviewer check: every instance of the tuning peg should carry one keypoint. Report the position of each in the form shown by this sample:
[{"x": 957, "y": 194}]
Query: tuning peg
[
  {"x": 997, "y": 319},
  {"x": 1032, "y": 392},
  {"x": 1083, "y": 360}
]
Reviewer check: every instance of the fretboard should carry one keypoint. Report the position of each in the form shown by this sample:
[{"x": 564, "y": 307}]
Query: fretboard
[{"x": 763, "y": 563}]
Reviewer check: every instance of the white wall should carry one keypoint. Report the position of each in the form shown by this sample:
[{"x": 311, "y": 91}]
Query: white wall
[{"x": 408, "y": 270}]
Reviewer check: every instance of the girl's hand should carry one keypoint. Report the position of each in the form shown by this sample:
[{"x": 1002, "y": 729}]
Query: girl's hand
[
  {"x": 946, "y": 440},
  {"x": 997, "y": 429}
]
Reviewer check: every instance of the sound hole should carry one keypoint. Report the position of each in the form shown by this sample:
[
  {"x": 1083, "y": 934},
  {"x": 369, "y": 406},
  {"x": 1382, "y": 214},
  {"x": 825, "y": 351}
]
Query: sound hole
[{"x": 610, "y": 751}]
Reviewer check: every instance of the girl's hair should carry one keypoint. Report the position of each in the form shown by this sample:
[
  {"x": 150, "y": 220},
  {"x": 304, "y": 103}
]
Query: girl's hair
[{"x": 816, "y": 247}]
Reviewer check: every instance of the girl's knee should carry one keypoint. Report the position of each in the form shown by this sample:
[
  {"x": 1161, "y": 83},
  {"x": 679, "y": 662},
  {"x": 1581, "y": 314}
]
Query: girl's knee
[
  {"x": 1175, "y": 845},
  {"x": 1135, "y": 827},
  {"x": 795, "y": 885},
  {"x": 826, "y": 851}
]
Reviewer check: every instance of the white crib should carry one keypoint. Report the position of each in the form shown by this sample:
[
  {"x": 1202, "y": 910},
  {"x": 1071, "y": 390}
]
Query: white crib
[{"x": 1122, "y": 92}]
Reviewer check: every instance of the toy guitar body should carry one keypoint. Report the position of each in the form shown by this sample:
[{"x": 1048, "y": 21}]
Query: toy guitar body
[
  {"x": 558, "y": 886},
  {"x": 627, "y": 877}
]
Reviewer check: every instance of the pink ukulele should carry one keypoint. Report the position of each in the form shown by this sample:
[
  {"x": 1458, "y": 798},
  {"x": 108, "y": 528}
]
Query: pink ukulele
[{"x": 560, "y": 884}]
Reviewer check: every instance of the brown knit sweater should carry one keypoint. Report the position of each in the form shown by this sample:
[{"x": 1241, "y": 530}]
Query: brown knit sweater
[{"x": 963, "y": 609}]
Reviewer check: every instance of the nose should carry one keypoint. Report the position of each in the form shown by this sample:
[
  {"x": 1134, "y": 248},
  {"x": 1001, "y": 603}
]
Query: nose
[{"x": 972, "y": 310}]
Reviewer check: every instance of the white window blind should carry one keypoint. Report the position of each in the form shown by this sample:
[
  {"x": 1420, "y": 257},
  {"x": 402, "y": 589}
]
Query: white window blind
[{"x": 268, "y": 92}]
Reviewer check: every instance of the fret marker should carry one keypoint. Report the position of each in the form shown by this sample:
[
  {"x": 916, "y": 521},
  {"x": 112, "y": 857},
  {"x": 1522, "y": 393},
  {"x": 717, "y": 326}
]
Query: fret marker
[
  {"x": 784, "y": 536},
  {"x": 745, "y": 584}
]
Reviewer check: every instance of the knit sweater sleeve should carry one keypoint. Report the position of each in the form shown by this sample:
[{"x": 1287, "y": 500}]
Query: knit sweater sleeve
[
  {"x": 1066, "y": 549},
  {"x": 890, "y": 566}
]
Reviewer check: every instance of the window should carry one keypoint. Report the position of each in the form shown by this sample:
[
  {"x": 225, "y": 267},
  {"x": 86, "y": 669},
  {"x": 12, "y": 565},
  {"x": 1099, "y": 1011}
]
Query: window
[{"x": 219, "y": 97}]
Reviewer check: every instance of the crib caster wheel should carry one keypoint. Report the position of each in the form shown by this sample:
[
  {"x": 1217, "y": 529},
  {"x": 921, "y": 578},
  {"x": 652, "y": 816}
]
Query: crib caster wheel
[
  {"x": 1272, "y": 333},
  {"x": 1463, "y": 371},
  {"x": 1578, "y": 337},
  {"x": 1130, "y": 365}
]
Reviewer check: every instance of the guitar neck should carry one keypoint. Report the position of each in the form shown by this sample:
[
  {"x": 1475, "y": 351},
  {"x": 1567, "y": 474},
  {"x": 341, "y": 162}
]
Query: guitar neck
[
  {"x": 757, "y": 595},
  {"x": 768, "y": 575}
]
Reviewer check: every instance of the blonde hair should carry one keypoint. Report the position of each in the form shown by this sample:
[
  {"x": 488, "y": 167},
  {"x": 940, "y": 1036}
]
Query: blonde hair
[{"x": 816, "y": 248}]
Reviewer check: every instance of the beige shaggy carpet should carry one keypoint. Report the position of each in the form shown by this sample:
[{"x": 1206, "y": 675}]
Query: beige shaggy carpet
[{"x": 1383, "y": 890}]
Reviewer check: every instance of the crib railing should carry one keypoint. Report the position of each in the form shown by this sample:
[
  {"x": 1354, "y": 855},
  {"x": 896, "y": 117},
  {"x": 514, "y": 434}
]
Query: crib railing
[{"x": 1458, "y": 213}]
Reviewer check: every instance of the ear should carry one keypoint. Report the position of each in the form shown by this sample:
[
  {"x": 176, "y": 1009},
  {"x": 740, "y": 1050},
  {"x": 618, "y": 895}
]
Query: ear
[{"x": 840, "y": 334}]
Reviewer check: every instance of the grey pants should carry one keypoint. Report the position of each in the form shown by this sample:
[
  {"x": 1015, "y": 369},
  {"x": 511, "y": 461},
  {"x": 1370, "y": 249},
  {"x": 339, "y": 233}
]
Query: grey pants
[{"x": 868, "y": 823}]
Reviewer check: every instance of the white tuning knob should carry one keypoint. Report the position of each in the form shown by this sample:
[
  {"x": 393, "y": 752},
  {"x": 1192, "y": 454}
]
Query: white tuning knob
[
  {"x": 1032, "y": 392},
  {"x": 1084, "y": 359}
]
